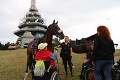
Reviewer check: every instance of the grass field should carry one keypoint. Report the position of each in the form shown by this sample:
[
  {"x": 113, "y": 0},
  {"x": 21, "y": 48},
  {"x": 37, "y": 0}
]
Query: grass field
[{"x": 13, "y": 65}]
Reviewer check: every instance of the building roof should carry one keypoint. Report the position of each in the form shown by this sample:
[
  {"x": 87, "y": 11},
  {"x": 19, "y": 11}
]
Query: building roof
[
  {"x": 27, "y": 34},
  {"x": 21, "y": 25}
]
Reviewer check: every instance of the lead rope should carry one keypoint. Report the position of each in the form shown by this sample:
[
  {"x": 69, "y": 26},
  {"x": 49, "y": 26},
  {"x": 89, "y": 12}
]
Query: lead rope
[
  {"x": 58, "y": 65},
  {"x": 48, "y": 69}
]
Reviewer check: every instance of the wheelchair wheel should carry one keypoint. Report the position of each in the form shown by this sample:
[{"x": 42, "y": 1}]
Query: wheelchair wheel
[
  {"x": 29, "y": 76},
  {"x": 55, "y": 76},
  {"x": 117, "y": 75},
  {"x": 89, "y": 75}
]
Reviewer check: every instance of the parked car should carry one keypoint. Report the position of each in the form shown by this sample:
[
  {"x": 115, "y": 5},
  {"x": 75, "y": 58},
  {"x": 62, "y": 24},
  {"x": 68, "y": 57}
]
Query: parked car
[
  {"x": 12, "y": 47},
  {"x": 25, "y": 45}
]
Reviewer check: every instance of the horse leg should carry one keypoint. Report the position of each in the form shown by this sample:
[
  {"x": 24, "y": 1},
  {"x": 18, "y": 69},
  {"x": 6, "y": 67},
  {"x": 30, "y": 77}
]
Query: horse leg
[
  {"x": 28, "y": 57},
  {"x": 29, "y": 61},
  {"x": 26, "y": 67},
  {"x": 88, "y": 55}
]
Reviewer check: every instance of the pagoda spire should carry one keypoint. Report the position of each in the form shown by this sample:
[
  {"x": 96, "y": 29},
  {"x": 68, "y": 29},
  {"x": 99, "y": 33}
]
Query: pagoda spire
[
  {"x": 31, "y": 24},
  {"x": 33, "y": 7},
  {"x": 33, "y": 2}
]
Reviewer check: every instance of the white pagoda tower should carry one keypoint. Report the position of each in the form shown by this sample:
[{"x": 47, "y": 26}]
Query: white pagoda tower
[{"x": 33, "y": 23}]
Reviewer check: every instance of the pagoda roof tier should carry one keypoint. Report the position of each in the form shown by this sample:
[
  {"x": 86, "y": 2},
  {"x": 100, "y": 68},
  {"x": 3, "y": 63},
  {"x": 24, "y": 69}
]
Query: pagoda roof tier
[
  {"x": 21, "y": 25},
  {"x": 34, "y": 18},
  {"x": 29, "y": 29},
  {"x": 33, "y": 13},
  {"x": 33, "y": 9}
]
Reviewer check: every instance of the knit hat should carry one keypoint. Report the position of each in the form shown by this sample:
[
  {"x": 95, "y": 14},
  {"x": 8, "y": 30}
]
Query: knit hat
[{"x": 41, "y": 46}]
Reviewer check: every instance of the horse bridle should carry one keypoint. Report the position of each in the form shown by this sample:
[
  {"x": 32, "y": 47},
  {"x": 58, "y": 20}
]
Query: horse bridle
[{"x": 54, "y": 30}]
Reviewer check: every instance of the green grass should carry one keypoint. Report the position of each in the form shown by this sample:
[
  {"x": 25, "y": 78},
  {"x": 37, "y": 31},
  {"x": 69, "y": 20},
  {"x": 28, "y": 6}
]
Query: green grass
[{"x": 13, "y": 65}]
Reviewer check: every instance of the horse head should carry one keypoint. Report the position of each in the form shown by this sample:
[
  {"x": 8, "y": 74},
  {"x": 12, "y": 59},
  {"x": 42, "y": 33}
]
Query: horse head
[{"x": 56, "y": 30}]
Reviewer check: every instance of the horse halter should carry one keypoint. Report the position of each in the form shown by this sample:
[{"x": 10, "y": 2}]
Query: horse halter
[{"x": 55, "y": 31}]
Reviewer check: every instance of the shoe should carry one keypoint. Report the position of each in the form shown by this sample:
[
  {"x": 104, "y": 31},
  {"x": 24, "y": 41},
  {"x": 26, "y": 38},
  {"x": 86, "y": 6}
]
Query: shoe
[
  {"x": 71, "y": 75},
  {"x": 81, "y": 77},
  {"x": 66, "y": 75},
  {"x": 73, "y": 66}
]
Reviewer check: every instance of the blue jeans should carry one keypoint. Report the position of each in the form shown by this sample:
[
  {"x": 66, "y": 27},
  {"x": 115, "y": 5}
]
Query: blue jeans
[{"x": 106, "y": 66}]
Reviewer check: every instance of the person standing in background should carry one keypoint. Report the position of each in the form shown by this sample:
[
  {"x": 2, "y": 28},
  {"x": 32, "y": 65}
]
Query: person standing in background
[
  {"x": 65, "y": 54},
  {"x": 103, "y": 53}
]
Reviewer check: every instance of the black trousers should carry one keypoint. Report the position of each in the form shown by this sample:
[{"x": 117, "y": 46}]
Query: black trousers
[{"x": 67, "y": 59}]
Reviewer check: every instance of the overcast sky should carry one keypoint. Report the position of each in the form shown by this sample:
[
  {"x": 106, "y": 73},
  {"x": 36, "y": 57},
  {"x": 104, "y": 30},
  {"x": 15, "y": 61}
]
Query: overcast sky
[{"x": 77, "y": 18}]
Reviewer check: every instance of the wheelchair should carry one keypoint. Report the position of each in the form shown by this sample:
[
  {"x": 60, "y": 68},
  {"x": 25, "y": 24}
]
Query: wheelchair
[
  {"x": 116, "y": 70},
  {"x": 52, "y": 74},
  {"x": 87, "y": 71}
]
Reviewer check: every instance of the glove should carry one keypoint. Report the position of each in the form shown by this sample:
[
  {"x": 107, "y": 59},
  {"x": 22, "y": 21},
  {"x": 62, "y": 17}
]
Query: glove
[
  {"x": 56, "y": 50},
  {"x": 53, "y": 56}
]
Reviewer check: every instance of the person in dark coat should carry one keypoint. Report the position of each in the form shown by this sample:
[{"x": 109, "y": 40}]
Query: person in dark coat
[
  {"x": 103, "y": 53},
  {"x": 65, "y": 54}
]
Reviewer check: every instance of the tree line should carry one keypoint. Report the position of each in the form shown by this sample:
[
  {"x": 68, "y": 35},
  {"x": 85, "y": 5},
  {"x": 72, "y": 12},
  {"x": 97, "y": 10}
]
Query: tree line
[{"x": 4, "y": 46}]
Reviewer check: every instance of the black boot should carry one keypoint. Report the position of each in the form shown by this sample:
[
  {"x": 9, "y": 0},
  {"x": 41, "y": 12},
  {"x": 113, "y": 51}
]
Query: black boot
[
  {"x": 71, "y": 71},
  {"x": 66, "y": 74},
  {"x": 65, "y": 66},
  {"x": 71, "y": 75}
]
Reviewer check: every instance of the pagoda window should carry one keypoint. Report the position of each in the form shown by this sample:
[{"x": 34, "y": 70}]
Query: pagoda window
[
  {"x": 27, "y": 20},
  {"x": 37, "y": 15},
  {"x": 37, "y": 26},
  {"x": 31, "y": 20},
  {"x": 30, "y": 26},
  {"x": 30, "y": 15},
  {"x": 26, "y": 27},
  {"x": 41, "y": 21},
  {"x": 39, "y": 35}
]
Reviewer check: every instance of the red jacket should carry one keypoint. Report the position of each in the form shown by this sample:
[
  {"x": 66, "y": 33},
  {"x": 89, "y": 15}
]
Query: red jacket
[{"x": 44, "y": 55}]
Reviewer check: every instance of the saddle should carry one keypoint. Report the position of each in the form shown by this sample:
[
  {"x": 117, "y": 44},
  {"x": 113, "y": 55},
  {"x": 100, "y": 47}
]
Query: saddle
[
  {"x": 81, "y": 42},
  {"x": 35, "y": 44}
]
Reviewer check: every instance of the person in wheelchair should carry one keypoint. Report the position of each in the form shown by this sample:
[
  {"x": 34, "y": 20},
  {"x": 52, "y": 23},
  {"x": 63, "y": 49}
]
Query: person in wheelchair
[
  {"x": 45, "y": 62},
  {"x": 116, "y": 70},
  {"x": 86, "y": 67}
]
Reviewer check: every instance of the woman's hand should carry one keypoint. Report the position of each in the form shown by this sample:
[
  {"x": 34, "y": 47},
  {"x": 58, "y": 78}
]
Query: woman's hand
[
  {"x": 85, "y": 61},
  {"x": 56, "y": 49},
  {"x": 93, "y": 63}
]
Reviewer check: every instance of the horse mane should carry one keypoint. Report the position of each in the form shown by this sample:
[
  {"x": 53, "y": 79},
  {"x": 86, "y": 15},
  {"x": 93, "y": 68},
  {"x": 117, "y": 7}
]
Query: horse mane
[
  {"x": 91, "y": 38},
  {"x": 46, "y": 31}
]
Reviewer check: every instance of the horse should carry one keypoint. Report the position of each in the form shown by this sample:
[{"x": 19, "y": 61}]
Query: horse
[
  {"x": 86, "y": 45},
  {"x": 53, "y": 29}
]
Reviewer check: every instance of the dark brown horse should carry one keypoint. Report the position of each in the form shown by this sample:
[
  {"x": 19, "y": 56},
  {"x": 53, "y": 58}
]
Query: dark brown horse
[
  {"x": 53, "y": 29},
  {"x": 86, "y": 45}
]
